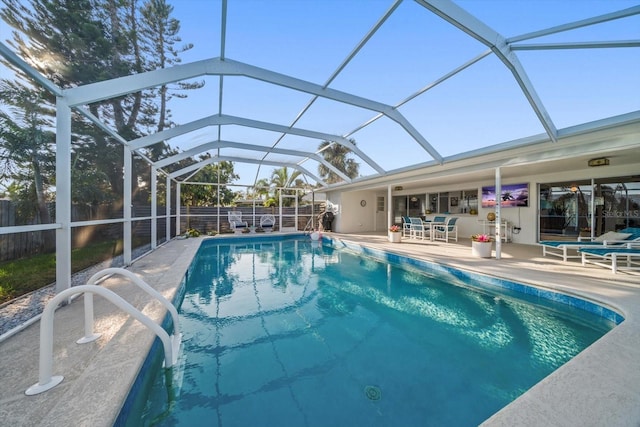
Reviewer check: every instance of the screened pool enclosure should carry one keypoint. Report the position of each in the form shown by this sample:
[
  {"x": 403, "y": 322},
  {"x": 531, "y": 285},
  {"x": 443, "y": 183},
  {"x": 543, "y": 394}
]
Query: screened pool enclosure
[{"x": 402, "y": 87}]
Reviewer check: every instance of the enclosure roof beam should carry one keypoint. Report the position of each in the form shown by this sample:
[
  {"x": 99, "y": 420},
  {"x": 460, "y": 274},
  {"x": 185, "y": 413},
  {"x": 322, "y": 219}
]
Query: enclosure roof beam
[
  {"x": 475, "y": 28},
  {"x": 230, "y": 144},
  {"x": 222, "y": 119},
  {"x": 14, "y": 59},
  {"x": 217, "y": 159},
  {"x": 577, "y": 45},
  {"x": 115, "y": 135},
  {"x": 146, "y": 141},
  {"x": 278, "y": 164},
  {"x": 624, "y": 13},
  {"x": 99, "y": 91},
  {"x": 96, "y": 121}
]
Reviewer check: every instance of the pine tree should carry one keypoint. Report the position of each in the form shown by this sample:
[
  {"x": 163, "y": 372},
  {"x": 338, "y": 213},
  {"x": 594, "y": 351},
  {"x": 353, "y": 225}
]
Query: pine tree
[
  {"x": 160, "y": 39},
  {"x": 337, "y": 155},
  {"x": 78, "y": 42}
]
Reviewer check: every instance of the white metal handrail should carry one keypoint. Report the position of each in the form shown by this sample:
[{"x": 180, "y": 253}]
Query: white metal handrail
[
  {"x": 88, "y": 301},
  {"x": 46, "y": 380}
]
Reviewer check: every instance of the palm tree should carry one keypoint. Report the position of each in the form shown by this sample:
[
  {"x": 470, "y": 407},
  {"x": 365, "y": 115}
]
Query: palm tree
[
  {"x": 280, "y": 179},
  {"x": 261, "y": 189},
  {"x": 336, "y": 154}
]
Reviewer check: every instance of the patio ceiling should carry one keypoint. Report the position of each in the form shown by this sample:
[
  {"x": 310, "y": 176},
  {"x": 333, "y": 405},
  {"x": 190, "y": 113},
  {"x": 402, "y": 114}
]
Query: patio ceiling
[{"x": 405, "y": 94}]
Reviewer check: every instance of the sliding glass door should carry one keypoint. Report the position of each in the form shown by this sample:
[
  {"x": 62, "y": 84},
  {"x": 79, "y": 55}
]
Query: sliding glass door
[{"x": 588, "y": 208}]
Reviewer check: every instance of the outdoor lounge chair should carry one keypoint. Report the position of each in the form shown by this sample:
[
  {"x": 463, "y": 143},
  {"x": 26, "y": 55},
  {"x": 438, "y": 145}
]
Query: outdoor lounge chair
[
  {"x": 610, "y": 257},
  {"x": 267, "y": 222},
  {"x": 446, "y": 231},
  {"x": 236, "y": 223},
  {"x": 561, "y": 248}
]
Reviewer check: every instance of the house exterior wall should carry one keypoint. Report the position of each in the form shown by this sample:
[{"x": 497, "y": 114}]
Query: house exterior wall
[{"x": 355, "y": 218}]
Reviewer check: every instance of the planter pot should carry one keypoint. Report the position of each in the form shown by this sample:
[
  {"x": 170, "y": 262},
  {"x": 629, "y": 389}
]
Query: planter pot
[
  {"x": 394, "y": 237},
  {"x": 481, "y": 249}
]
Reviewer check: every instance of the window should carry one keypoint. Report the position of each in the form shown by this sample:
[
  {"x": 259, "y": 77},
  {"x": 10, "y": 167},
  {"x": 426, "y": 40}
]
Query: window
[
  {"x": 453, "y": 202},
  {"x": 575, "y": 207}
]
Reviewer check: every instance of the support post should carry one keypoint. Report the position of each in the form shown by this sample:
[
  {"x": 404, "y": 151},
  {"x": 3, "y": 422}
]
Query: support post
[
  {"x": 127, "y": 204},
  {"x": 63, "y": 195},
  {"x": 178, "y": 188},
  {"x": 498, "y": 222},
  {"x": 154, "y": 208},
  {"x": 168, "y": 208},
  {"x": 218, "y": 204},
  {"x": 389, "y": 210},
  {"x": 592, "y": 210}
]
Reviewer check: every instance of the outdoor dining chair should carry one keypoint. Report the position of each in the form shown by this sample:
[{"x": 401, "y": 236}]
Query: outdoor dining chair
[{"x": 446, "y": 231}]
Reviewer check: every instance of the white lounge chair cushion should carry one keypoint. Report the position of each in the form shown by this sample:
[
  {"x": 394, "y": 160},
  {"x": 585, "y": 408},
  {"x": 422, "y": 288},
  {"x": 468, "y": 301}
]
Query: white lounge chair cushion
[{"x": 612, "y": 235}]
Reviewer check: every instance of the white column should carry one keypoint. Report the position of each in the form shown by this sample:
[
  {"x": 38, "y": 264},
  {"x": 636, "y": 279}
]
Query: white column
[
  {"x": 168, "y": 209},
  {"x": 178, "y": 188},
  {"x": 127, "y": 205},
  {"x": 154, "y": 207},
  {"x": 218, "y": 202},
  {"x": 498, "y": 214},
  {"x": 592, "y": 210},
  {"x": 296, "y": 211},
  {"x": 389, "y": 209},
  {"x": 63, "y": 195},
  {"x": 280, "y": 209}
]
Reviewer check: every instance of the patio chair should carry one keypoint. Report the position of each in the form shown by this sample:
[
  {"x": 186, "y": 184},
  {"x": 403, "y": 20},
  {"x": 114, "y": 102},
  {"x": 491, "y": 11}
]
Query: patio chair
[
  {"x": 406, "y": 226},
  {"x": 561, "y": 248},
  {"x": 439, "y": 219},
  {"x": 236, "y": 223},
  {"x": 446, "y": 231},
  {"x": 610, "y": 257},
  {"x": 417, "y": 229},
  {"x": 267, "y": 222}
]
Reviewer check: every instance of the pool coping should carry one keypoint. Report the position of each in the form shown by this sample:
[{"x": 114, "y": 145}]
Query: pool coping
[{"x": 599, "y": 386}]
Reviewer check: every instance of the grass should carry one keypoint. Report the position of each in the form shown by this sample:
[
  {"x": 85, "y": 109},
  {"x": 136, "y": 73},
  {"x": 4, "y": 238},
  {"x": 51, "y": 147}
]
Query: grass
[{"x": 19, "y": 277}]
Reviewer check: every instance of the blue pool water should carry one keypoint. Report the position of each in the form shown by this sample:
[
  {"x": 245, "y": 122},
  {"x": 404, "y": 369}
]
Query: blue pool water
[{"x": 293, "y": 333}]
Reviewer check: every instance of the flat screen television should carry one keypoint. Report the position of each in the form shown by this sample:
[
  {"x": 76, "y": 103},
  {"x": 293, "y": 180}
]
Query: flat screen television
[{"x": 512, "y": 196}]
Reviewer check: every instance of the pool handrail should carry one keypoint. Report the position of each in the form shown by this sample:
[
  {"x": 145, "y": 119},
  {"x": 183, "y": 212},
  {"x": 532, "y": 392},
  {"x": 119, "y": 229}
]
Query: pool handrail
[
  {"x": 46, "y": 380},
  {"x": 142, "y": 285}
]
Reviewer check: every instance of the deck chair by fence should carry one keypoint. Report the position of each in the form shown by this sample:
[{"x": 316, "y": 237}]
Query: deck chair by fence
[
  {"x": 561, "y": 248},
  {"x": 446, "y": 231},
  {"x": 613, "y": 257},
  {"x": 236, "y": 223},
  {"x": 267, "y": 222}
]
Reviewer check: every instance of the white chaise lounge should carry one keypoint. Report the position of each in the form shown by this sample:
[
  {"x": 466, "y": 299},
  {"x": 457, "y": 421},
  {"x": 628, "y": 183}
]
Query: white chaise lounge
[
  {"x": 561, "y": 248},
  {"x": 615, "y": 258}
]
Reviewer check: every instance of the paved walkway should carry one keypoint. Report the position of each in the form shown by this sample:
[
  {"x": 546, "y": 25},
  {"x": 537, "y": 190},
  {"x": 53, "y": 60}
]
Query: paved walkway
[{"x": 601, "y": 386}]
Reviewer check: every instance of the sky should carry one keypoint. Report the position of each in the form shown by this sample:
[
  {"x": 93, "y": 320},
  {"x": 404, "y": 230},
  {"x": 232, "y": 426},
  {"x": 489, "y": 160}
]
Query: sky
[{"x": 479, "y": 107}]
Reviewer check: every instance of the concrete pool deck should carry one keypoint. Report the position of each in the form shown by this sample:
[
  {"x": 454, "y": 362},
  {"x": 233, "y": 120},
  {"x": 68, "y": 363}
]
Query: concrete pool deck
[{"x": 600, "y": 386}]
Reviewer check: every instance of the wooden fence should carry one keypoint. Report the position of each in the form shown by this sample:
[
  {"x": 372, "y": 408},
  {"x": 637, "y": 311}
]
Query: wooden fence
[{"x": 204, "y": 219}]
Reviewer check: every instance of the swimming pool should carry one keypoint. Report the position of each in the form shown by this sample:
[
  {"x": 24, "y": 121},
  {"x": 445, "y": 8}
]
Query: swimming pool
[{"x": 291, "y": 332}]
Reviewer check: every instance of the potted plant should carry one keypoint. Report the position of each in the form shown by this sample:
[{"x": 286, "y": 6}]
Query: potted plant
[
  {"x": 394, "y": 234},
  {"x": 481, "y": 245}
]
